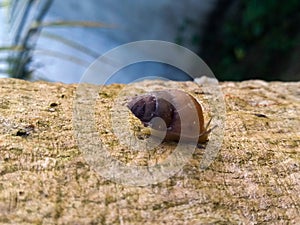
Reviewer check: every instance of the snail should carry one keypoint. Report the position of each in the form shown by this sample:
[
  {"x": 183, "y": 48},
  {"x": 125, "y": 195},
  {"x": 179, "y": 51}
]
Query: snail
[{"x": 180, "y": 115}]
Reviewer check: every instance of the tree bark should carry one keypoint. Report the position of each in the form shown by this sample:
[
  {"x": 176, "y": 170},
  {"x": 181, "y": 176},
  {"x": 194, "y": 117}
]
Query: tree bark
[{"x": 45, "y": 178}]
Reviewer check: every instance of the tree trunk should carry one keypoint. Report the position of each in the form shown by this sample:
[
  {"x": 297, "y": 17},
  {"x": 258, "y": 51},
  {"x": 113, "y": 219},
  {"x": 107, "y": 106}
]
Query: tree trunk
[{"x": 46, "y": 177}]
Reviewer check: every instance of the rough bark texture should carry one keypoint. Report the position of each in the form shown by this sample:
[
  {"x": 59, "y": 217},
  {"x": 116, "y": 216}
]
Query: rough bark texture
[{"x": 45, "y": 179}]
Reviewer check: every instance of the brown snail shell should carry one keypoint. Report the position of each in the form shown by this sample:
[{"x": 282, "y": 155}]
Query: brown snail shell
[{"x": 181, "y": 113}]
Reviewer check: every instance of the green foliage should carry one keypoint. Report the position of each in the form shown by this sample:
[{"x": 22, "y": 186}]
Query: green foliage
[{"x": 256, "y": 39}]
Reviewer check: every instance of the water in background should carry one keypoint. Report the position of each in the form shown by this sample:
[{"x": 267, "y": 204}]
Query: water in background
[
  {"x": 4, "y": 40},
  {"x": 56, "y": 59}
]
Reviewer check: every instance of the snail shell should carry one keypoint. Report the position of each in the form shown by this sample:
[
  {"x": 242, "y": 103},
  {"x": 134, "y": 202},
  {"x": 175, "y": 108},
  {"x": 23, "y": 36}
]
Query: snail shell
[{"x": 181, "y": 113}]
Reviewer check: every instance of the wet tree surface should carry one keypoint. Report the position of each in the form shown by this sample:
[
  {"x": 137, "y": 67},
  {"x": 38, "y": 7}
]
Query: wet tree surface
[{"x": 45, "y": 178}]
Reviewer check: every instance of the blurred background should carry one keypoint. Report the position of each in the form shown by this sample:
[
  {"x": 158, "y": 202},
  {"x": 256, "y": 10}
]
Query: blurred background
[{"x": 239, "y": 39}]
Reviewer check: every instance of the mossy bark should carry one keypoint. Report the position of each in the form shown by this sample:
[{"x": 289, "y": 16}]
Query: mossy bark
[{"x": 45, "y": 178}]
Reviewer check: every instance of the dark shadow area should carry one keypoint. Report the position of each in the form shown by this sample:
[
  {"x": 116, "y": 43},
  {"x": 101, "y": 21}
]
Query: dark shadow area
[{"x": 250, "y": 39}]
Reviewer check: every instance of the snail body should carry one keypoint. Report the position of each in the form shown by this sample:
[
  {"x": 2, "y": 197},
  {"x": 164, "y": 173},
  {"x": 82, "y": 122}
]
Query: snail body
[{"x": 180, "y": 115}]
